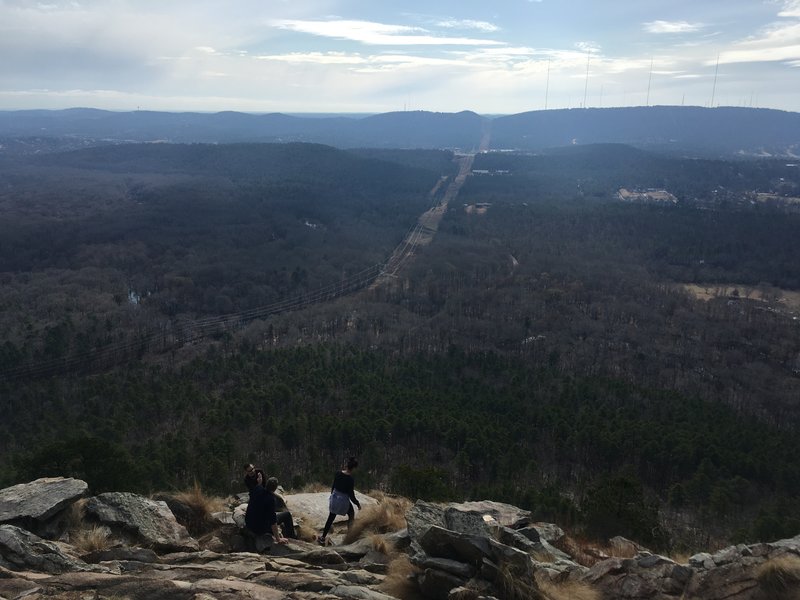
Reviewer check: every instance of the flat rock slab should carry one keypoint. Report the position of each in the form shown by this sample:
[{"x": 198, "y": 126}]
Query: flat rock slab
[
  {"x": 144, "y": 521},
  {"x": 313, "y": 507},
  {"x": 40, "y": 499}
]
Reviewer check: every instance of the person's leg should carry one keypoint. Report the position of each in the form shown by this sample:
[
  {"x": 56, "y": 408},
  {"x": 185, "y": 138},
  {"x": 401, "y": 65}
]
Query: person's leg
[
  {"x": 351, "y": 514},
  {"x": 286, "y": 524},
  {"x": 328, "y": 524}
]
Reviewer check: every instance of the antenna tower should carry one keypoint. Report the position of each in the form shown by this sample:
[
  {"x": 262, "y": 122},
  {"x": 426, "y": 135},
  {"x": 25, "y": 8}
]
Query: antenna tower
[
  {"x": 714, "y": 88},
  {"x": 547, "y": 85},
  {"x": 586, "y": 84},
  {"x": 649, "y": 81}
]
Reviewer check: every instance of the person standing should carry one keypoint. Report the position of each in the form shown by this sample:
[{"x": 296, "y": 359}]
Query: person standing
[{"x": 342, "y": 498}]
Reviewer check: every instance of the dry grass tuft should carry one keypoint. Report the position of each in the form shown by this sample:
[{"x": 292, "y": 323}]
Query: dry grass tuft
[
  {"x": 382, "y": 545},
  {"x": 568, "y": 590},
  {"x": 196, "y": 499},
  {"x": 516, "y": 586},
  {"x": 313, "y": 488},
  {"x": 92, "y": 539},
  {"x": 387, "y": 516},
  {"x": 399, "y": 581},
  {"x": 779, "y": 577},
  {"x": 75, "y": 515},
  {"x": 303, "y": 530},
  {"x": 196, "y": 509},
  {"x": 543, "y": 556}
]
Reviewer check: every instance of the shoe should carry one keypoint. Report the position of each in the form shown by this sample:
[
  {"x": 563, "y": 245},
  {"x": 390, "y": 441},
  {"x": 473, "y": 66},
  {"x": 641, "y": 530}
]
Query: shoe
[{"x": 321, "y": 541}]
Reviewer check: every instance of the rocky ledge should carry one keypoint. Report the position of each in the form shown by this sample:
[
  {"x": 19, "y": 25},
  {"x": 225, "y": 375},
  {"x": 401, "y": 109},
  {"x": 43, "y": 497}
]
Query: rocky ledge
[{"x": 467, "y": 551}]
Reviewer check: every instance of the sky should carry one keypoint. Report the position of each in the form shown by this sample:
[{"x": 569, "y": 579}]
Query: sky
[{"x": 354, "y": 56}]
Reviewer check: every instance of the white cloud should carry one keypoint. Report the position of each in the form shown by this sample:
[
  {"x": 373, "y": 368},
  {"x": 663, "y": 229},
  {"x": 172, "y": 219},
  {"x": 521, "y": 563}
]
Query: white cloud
[
  {"x": 369, "y": 32},
  {"x": 780, "y": 42},
  {"x": 791, "y": 8},
  {"x": 672, "y": 27},
  {"x": 468, "y": 24},
  {"x": 322, "y": 58}
]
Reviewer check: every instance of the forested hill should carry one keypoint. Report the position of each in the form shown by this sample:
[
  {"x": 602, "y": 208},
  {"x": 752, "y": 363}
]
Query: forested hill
[
  {"x": 724, "y": 130},
  {"x": 692, "y": 131}
]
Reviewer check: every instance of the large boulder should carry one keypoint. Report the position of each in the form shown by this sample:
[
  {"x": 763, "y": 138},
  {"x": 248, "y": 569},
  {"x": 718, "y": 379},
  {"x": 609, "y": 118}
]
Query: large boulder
[
  {"x": 37, "y": 505},
  {"x": 141, "y": 521},
  {"x": 312, "y": 508},
  {"x": 472, "y": 518},
  {"x": 439, "y": 542},
  {"x": 21, "y": 550}
]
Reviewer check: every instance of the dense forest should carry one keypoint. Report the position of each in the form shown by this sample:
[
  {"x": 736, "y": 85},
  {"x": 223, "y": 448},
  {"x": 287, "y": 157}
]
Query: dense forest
[{"x": 544, "y": 349}]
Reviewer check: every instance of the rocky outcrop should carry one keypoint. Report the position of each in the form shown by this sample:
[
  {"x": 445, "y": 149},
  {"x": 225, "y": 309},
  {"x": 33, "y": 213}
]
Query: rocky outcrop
[
  {"x": 141, "y": 521},
  {"x": 37, "y": 506},
  {"x": 470, "y": 551},
  {"x": 21, "y": 550}
]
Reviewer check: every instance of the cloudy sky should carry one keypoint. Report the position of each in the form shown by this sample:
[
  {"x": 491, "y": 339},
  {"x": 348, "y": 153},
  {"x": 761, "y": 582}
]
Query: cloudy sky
[{"x": 499, "y": 56}]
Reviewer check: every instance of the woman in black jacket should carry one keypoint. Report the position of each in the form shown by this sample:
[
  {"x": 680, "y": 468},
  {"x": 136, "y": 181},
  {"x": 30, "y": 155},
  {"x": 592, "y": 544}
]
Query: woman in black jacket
[{"x": 342, "y": 498}]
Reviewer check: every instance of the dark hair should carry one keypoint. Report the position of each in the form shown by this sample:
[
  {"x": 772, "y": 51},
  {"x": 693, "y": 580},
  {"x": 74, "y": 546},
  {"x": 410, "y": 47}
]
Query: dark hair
[
  {"x": 247, "y": 466},
  {"x": 272, "y": 484},
  {"x": 352, "y": 463}
]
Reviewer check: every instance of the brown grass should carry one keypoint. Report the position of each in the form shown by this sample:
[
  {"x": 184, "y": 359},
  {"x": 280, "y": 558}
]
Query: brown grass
[
  {"x": 779, "y": 577},
  {"x": 75, "y": 515},
  {"x": 196, "y": 499},
  {"x": 516, "y": 586},
  {"x": 399, "y": 581},
  {"x": 568, "y": 590},
  {"x": 303, "y": 530},
  {"x": 387, "y": 516},
  {"x": 91, "y": 539},
  {"x": 382, "y": 545},
  {"x": 200, "y": 506},
  {"x": 312, "y": 488}
]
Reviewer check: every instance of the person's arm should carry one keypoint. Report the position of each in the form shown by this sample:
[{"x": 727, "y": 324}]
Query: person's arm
[{"x": 352, "y": 492}]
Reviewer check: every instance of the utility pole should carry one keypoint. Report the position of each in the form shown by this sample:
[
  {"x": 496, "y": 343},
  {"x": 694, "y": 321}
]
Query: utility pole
[{"x": 649, "y": 80}]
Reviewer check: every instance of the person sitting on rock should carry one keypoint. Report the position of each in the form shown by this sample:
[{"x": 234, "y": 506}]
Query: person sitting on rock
[
  {"x": 342, "y": 498},
  {"x": 260, "y": 518},
  {"x": 284, "y": 518}
]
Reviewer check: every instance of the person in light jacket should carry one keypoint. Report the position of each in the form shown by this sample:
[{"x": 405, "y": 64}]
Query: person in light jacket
[{"x": 342, "y": 498}]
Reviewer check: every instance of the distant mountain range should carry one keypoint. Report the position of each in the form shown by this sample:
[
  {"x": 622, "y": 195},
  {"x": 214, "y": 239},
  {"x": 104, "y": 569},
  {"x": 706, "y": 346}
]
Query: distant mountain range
[{"x": 683, "y": 130}]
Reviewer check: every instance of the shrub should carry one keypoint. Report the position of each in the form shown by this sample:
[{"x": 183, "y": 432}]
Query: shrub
[
  {"x": 779, "y": 577},
  {"x": 387, "y": 516}
]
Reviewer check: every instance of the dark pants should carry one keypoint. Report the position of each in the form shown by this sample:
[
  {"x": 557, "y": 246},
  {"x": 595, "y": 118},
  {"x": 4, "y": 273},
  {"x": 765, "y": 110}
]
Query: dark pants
[
  {"x": 286, "y": 523},
  {"x": 351, "y": 513}
]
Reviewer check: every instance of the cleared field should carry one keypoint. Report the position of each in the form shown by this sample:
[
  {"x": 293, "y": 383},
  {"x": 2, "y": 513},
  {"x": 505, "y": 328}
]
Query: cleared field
[{"x": 787, "y": 299}]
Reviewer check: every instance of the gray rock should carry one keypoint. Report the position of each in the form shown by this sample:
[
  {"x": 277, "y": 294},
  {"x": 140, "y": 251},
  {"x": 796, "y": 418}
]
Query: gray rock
[
  {"x": 463, "y": 593},
  {"x": 238, "y": 515},
  {"x": 422, "y": 516},
  {"x": 37, "y": 506},
  {"x": 400, "y": 540},
  {"x": 141, "y": 520},
  {"x": 143, "y": 555},
  {"x": 21, "y": 550},
  {"x": 505, "y": 514},
  {"x": 447, "y": 565},
  {"x": 436, "y": 585},
  {"x": 358, "y": 593},
  {"x": 39, "y": 499},
  {"x": 443, "y": 543},
  {"x": 548, "y": 532}
]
